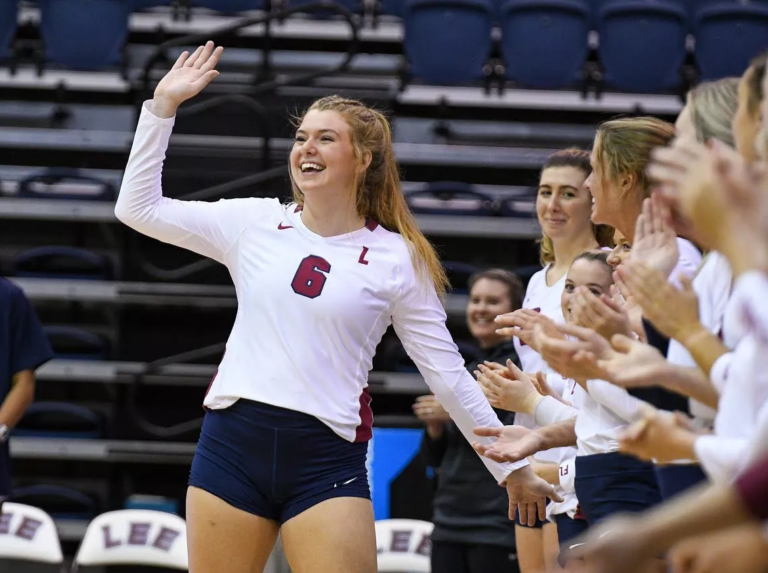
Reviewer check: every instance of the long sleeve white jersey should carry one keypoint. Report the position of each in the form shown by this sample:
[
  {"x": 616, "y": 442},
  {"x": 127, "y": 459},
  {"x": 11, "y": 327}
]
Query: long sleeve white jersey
[{"x": 311, "y": 309}]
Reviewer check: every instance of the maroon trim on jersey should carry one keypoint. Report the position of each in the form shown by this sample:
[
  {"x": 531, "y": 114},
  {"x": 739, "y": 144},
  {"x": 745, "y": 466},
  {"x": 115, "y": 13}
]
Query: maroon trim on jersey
[
  {"x": 298, "y": 208},
  {"x": 579, "y": 514},
  {"x": 751, "y": 488},
  {"x": 211, "y": 384},
  {"x": 364, "y": 431},
  {"x": 362, "y": 260},
  {"x": 371, "y": 223}
]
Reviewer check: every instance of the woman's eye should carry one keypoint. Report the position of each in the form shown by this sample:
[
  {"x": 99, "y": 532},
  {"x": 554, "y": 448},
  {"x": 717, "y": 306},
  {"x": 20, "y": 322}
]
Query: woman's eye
[{"x": 595, "y": 292}]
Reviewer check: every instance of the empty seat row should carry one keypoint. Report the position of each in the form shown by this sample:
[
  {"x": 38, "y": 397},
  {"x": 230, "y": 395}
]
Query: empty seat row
[{"x": 545, "y": 43}]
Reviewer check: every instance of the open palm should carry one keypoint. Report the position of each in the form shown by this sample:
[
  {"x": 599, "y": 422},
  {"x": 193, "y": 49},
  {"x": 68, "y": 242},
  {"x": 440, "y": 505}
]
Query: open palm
[{"x": 189, "y": 75}]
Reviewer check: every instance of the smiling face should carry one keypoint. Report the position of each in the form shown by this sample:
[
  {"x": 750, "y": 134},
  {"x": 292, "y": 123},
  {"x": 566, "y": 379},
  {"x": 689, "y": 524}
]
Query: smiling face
[
  {"x": 605, "y": 193},
  {"x": 323, "y": 157},
  {"x": 594, "y": 275},
  {"x": 563, "y": 204},
  {"x": 488, "y": 299}
]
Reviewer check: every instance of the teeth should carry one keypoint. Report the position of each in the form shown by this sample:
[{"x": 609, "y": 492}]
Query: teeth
[{"x": 313, "y": 166}]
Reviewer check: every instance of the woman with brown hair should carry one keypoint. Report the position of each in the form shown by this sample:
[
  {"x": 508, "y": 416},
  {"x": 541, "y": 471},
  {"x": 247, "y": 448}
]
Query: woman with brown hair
[{"x": 284, "y": 442}]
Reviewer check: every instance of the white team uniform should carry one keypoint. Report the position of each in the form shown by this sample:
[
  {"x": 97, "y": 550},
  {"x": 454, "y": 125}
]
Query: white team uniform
[
  {"x": 311, "y": 309},
  {"x": 546, "y": 299}
]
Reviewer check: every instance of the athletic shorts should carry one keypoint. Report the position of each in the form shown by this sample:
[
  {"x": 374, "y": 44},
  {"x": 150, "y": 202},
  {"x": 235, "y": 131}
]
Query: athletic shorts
[
  {"x": 569, "y": 528},
  {"x": 677, "y": 478},
  {"x": 614, "y": 483},
  {"x": 275, "y": 463}
]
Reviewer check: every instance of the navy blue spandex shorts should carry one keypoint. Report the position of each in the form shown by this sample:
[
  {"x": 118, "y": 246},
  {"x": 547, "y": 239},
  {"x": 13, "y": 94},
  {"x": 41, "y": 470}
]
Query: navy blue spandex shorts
[{"x": 275, "y": 463}]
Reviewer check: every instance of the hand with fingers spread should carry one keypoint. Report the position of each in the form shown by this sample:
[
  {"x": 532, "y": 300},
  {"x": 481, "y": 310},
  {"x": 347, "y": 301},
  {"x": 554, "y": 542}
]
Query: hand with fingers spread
[
  {"x": 674, "y": 312},
  {"x": 655, "y": 241},
  {"x": 658, "y": 436},
  {"x": 520, "y": 324},
  {"x": 568, "y": 356},
  {"x": 513, "y": 443},
  {"x": 528, "y": 495},
  {"x": 545, "y": 389},
  {"x": 187, "y": 78},
  {"x": 600, "y": 314},
  {"x": 509, "y": 389}
]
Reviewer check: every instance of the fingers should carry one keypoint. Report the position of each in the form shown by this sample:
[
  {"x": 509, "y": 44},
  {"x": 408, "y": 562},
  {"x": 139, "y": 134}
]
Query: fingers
[
  {"x": 533, "y": 513},
  {"x": 488, "y": 432},
  {"x": 213, "y": 59},
  {"x": 522, "y": 511},
  {"x": 180, "y": 60},
  {"x": 202, "y": 58},
  {"x": 514, "y": 370},
  {"x": 205, "y": 79},
  {"x": 190, "y": 63},
  {"x": 622, "y": 343}
]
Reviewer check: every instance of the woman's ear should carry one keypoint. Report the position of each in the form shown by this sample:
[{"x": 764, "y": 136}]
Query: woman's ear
[
  {"x": 366, "y": 162},
  {"x": 628, "y": 182}
]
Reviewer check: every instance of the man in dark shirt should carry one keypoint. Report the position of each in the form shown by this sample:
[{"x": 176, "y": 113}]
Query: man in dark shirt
[{"x": 23, "y": 348}]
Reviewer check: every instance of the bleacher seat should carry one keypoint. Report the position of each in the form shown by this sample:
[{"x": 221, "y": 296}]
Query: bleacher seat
[
  {"x": 544, "y": 42},
  {"x": 31, "y": 537},
  {"x": 84, "y": 34},
  {"x": 62, "y": 263},
  {"x": 459, "y": 274},
  {"x": 403, "y": 545},
  {"x": 642, "y": 44},
  {"x": 392, "y": 7},
  {"x": 59, "y": 420},
  {"x": 229, "y": 6},
  {"x": 728, "y": 36},
  {"x": 134, "y": 537},
  {"x": 66, "y": 184},
  {"x": 9, "y": 10},
  {"x": 72, "y": 343},
  {"x": 447, "y": 42},
  {"x": 451, "y": 198},
  {"x": 60, "y": 502}
]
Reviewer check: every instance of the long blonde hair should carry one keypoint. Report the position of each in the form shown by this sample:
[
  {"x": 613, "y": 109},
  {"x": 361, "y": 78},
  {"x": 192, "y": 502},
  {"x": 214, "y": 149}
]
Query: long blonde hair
[
  {"x": 579, "y": 159},
  {"x": 623, "y": 146},
  {"x": 378, "y": 194},
  {"x": 712, "y": 106}
]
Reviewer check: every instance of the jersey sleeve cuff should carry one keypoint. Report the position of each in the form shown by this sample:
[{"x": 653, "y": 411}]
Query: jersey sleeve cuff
[{"x": 550, "y": 410}]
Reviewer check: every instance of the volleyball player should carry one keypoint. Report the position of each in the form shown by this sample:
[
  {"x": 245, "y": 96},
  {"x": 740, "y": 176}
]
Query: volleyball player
[
  {"x": 283, "y": 445},
  {"x": 563, "y": 207}
]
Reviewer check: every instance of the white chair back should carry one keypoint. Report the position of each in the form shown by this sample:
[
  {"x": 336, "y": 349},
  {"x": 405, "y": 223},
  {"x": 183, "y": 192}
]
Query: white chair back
[
  {"x": 403, "y": 545},
  {"x": 135, "y": 537},
  {"x": 28, "y": 533}
]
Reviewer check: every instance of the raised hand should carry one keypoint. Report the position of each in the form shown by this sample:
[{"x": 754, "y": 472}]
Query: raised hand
[
  {"x": 655, "y": 241},
  {"x": 633, "y": 363},
  {"x": 521, "y": 323},
  {"x": 187, "y": 78},
  {"x": 562, "y": 354},
  {"x": 674, "y": 312},
  {"x": 601, "y": 314}
]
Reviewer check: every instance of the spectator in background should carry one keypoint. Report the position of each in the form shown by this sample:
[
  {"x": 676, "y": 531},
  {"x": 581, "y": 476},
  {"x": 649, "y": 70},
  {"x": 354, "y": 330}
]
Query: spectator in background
[
  {"x": 23, "y": 348},
  {"x": 473, "y": 532}
]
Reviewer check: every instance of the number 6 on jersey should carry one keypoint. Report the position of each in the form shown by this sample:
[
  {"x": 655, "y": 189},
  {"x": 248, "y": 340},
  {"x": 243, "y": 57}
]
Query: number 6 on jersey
[{"x": 309, "y": 279}]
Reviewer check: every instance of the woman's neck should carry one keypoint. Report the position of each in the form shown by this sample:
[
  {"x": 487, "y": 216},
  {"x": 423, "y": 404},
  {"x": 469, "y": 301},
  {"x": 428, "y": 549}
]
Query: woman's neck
[
  {"x": 329, "y": 218},
  {"x": 568, "y": 249},
  {"x": 627, "y": 214}
]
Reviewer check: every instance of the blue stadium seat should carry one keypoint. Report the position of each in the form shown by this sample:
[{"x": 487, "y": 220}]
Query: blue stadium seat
[
  {"x": 62, "y": 263},
  {"x": 459, "y": 274},
  {"x": 229, "y": 6},
  {"x": 59, "y": 502},
  {"x": 642, "y": 44},
  {"x": 9, "y": 10},
  {"x": 59, "y": 420},
  {"x": 544, "y": 42},
  {"x": 451, "y": 198},
  {"x": 84, "y": 34},
  {"x": 392, "y": 7},
  {"x": 447, "y": 42},
  {"x": 72, "y": 343},
  {"x": 66, "y": 184},
  {"x": 728, "y": 36},
  {"x": 137, "y": 5}
]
